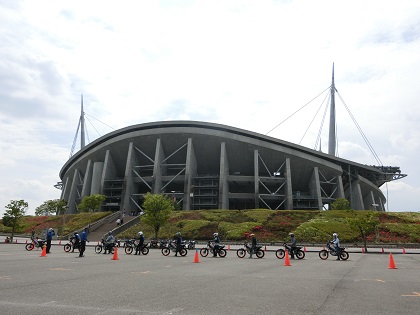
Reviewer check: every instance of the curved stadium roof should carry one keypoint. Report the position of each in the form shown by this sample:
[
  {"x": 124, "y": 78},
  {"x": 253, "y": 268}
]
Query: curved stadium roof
[{"x": 211, "y": 166}]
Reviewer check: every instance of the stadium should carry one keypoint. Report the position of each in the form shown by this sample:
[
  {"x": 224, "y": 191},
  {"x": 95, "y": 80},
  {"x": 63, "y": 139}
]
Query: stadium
[{"x": 205, "y": 165}]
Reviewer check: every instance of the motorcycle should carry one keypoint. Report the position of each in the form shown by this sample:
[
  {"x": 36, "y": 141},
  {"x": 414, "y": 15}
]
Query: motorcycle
[
  {"x": 72, "y": 245},
  {"x": 241, "y": 252},
  {"x": 210, "y": 248},
  {"x": 297, "y": 251},
  {"x": 171, "y": 246},
  {"x": 106, "y": 246},
  {"x": 191, "y": 244},
  {"x": 131, "y": 245},
  {"x": 324, "y": 253},
  {"x": 35, "y": 242}
]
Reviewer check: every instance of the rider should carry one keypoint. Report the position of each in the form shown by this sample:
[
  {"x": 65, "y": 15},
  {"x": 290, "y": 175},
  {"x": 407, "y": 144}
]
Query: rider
[
  {"x": 140, "y": 243},
  {"x": 216, "y": 240},
  {"x": 292, "y": 245},
  {"x": 253, "y": 245},
  {"x": 178, "y": 241},
  {"x": 336, "y": 242},
  {"x": 109, "y": 242},
  {"x": 75, "y": 239}
]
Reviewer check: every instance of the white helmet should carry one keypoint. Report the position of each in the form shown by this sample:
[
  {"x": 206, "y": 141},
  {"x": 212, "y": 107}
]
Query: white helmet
[
  {"x": 335, "y": 234},
  {"x": 215, "y": 234},
  {"x": 140, "y": 233}
]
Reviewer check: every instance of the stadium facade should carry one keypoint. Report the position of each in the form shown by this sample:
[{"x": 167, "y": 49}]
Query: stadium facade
[{"x": 205, "y": 165}]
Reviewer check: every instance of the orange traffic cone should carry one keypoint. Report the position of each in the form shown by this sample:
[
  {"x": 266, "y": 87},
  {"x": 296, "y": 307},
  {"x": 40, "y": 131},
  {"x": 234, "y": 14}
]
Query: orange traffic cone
[
  {"x": 287, "y": 260},
  {"x": 304, "y": 249},
  {"x": 383, "y": 252},
  {"x": 403, "y": 250},
  {"x": 44, "y": 251},
  {"x": 363, "y": 250},
  {"x": 391, "y": 262},
  {"x": 115, "y": 257},
  {"x": 16, "y": 241},
  {"x": 59, "y": 243},
  {"x": 265, "y": 248},
  {"x": 228, "y": 246},
  {"x": 26, "y": 241},
  {"x": 196, "y": 257}
]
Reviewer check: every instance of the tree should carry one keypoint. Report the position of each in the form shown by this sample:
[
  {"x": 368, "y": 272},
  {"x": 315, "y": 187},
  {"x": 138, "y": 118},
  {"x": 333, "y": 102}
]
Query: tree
[
  {"x": 365, "y": 223},
  {"x": 16, "y": 209},
  {"x": 157, "y": 211},
  {"x": 340, "y": 204},
  {"x": 91, "y": 203},
  {"x": 49, "y": 207}
]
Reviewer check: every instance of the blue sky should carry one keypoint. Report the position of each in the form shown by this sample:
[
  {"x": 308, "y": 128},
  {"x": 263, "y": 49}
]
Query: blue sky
[{"x": 247, "y": 64}]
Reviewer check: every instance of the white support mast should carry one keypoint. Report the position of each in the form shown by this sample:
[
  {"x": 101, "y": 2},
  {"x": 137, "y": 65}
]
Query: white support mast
[
  {"x": 82, "y": 127},
  {"x": 332, "y": 137}
]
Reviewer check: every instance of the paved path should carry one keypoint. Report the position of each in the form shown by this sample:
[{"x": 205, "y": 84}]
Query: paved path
[{"x": 154, "y": 284}]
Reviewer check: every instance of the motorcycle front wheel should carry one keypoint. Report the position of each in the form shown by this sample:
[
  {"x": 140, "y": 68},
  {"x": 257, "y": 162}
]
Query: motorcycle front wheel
[
  {"x": 145, "y": 251},
  {"x": 128, "y": 250},
  {"x": 344, "y": 255},
  {"x": 204, "y": 252},
  {"x": 300, "y": 254},
  {"x": 260, "y": 253},
  {"x": 222, "y": 253},
  {"x": 165, "y": 251},
  {"x": 280, "y": 253},
  {"x": 241, "y": 253},
  {"x": 67, "y": 248},
  {"x": 29, "y": 246},
  {"x": 98, "y": 249},
  {"x": 183, "y": 252},
  {"x": 323, "y": 254}
]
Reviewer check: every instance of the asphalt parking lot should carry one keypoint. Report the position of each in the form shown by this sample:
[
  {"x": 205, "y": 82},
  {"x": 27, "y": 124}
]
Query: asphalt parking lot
[{"x": 154, "y": 284}]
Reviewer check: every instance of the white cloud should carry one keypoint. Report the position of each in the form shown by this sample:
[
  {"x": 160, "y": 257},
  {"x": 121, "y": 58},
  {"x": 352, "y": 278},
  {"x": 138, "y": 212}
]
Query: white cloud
[{"x": 249, "y": 64}]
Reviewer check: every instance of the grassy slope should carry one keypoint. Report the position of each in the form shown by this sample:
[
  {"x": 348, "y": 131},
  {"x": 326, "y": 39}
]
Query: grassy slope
[{"x": 267, "y": 225}]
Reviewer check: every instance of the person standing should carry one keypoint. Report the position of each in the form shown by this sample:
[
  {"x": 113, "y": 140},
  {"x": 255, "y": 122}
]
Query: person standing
[
  {"x": 50, "y": 235},
  {"x": 216, "y": 240},
  {"x": 178, "y": 241},
  {"x": 293, "y": 244},
  {"x": 83, "y": 240},
  {"x": 253, "y": 245},
  {"x": 75, "y": 241},
  {"x": 140, "y": 244}
]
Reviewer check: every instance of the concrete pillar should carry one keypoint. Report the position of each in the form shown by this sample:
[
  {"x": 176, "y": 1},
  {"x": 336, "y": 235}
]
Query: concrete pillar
[
  {"x": 73, "y": 195},
  {"x": 159, "y": 170},
  {"x": 339, "y": 193},
  {"x": 87, "y": 181},
  {"x": 356, "y": 200},
  {"x": 256, "y": 180},
  {"x": 109, "y": 171},
  {"x": 288, "y": 188},
  {"x": 128, "y": 186},
  {"x": 190, "y": 172},
  {"x": 96, "y": 178},
  {"x": 315, "y": 187},
  {"x": 223, "y": 182}
]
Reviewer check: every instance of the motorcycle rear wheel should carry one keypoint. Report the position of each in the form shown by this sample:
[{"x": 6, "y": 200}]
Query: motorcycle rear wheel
[
  {"x": 323, "y": 254},
  {"x": 67, "y": 248},
  {"x": 344, "y": 255},
  {"x": 280, "y": 253},
  {"x": 145, "y": 251},
  {"x": 183, "y": 252},
  {"x": 260, "y": 253},
  {"x": 204, "y": 252},
  {"x": 98, "y": 249},
  {"x": 222, "y": 253},
  {"x": 165, "y": 251},
  {"x": 300, "y": 254},
  {"x": 29, "y": 246},
  {"x": 241, "y": 253},
  {"x": 128, "y": 250}
]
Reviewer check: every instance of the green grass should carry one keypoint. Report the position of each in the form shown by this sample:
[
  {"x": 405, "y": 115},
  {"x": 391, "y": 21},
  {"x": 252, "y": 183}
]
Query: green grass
[{"x": 267, "y": 225}]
